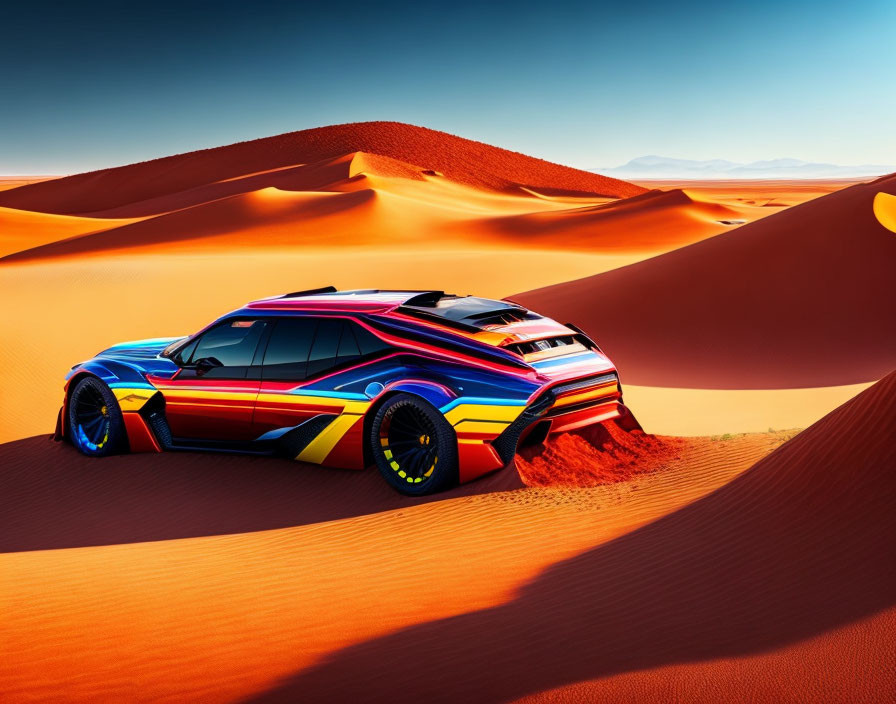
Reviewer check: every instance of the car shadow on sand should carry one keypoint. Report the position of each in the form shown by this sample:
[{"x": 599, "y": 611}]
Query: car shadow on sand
[{"x": 53, "y": 497}]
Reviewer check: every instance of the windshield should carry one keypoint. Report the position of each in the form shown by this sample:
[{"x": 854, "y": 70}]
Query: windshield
[{"x": 170, "y": 349}]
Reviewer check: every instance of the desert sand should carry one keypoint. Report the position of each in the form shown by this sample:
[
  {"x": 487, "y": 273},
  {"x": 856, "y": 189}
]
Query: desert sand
[
  {"x": 801, "y": 299},
  {"x": 142, "y": 250},
  {"x": 701, "y": 560},
  {"x": 721, "y": 555}
]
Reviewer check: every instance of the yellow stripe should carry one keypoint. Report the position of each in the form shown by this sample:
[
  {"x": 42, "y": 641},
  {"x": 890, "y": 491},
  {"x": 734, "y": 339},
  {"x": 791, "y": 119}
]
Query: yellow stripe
[
  {"x": 318, "y": 449},
  {"x": 483, "y": 412},
  {"x": 132, "y": 399}
]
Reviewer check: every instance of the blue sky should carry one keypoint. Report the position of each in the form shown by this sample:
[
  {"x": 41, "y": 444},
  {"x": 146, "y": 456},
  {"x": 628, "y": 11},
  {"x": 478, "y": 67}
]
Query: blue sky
[{"x": 586, "y": 84}]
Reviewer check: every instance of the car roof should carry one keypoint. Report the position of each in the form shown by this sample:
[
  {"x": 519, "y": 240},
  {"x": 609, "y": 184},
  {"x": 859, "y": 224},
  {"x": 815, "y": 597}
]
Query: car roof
[{"x": 436, "y": 304}]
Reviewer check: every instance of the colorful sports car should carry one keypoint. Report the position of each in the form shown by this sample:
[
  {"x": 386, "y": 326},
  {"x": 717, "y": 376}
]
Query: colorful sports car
[{"x": 433, "y": 388}]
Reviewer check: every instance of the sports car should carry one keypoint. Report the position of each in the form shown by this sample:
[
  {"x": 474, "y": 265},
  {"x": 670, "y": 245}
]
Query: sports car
[{"x": 432, "y": 388}]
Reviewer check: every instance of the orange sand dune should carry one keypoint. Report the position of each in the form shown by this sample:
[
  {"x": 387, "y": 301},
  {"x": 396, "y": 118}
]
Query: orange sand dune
[
  {"x": 458, "y": 159},
  {"x": 655, "y": 221},
  {"x": 701, "y": 567},
  {"x": 368, "y": 200},
  {"x": 222, "y": 618},
  {"x": 805, "y": 297},
  {"x": 22, "y": 229}
]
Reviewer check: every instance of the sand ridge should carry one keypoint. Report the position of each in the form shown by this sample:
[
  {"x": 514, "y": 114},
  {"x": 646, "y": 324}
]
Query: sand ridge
[{"x": 798, "y": 299}]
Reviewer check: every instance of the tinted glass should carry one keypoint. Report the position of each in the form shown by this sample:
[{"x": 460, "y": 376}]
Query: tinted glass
[
  {"x": 326, "y": 345},
  {"x": 287, "y": 352},
  {"x": 368, "y": 343},
  {"x": 348, "y": 347},
  {"x": 183, "y": 357},
  {"x": 232, "y": 344}
]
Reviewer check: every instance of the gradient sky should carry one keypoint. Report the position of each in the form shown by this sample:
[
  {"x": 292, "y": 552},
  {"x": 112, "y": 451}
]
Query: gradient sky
[{"x": 586, "y": 84}]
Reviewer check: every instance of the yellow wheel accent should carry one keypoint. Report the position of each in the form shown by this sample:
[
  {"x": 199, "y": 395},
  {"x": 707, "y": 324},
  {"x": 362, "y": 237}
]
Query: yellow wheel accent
[{"x": 104, "y": 411}]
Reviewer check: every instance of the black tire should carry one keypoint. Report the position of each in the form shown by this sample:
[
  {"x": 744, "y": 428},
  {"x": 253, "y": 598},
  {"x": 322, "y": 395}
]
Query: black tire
[
  {"x": 95, "y": 424},
  {"x": 413, "y": 446}
]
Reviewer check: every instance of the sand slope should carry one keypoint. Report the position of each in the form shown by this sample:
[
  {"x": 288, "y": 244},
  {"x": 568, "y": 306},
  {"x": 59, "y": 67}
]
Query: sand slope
[
  {"x": 22, "y": 229},
  {"x": 458, "y": 159},
  {"x": 224, "y": 617},
  {"x": 802, "y": 298},
  {"x": 802, "y": 543},
  {"x": 367, "y": 184}
]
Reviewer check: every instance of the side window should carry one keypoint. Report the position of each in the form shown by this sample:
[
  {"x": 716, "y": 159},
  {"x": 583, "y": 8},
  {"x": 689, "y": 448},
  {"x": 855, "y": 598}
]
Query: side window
[
  {"x": 286, "y": 356},
  {"x": 326, "y": 345},
  {"x": 368, "y": 343},
  {"x": 348, "y": 346},
  {"x": 233, "y": 344}
]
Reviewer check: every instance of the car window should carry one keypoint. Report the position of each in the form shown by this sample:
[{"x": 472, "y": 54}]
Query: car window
[
  {"x": 348, "y": 346},
  {"x": 286, "y": 356},
  {"x": 326, "y": 345},
  {"x": 368, "y": 343},
  {"x": 232, "y": 344}
]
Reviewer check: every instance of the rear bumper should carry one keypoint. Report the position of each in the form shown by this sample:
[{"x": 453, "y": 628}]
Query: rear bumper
[
  {"x": 562, "y": 407},
  {"x": 573, "y": 420}
]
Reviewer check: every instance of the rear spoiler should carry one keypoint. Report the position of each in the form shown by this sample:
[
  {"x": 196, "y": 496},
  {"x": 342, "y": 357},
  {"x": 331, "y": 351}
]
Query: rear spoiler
[{"x": 573, "y": 326}]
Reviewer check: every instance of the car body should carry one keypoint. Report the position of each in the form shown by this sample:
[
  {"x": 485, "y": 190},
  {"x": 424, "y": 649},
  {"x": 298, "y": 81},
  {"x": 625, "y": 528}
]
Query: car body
[{"x": 305, "y": 373}]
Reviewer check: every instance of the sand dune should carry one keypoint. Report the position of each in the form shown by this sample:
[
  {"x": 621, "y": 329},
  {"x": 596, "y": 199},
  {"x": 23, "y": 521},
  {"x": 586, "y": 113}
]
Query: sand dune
[
  {"x": 802, "y": 298},
  {"x": 458, "y": 159},
  {"x": 673, "y": 582},
  {"x": 656, "y": 221},
  {"x": 362, "y": 199},
  {"x": 22, "y": 229},
  {"x": 227, "y": 616},
  {"x": 801, "y": 544},
  {"x": 419, "y": 187}
]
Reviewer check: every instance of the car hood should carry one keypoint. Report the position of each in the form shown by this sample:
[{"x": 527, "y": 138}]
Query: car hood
[{"x": 139, "y": 349}]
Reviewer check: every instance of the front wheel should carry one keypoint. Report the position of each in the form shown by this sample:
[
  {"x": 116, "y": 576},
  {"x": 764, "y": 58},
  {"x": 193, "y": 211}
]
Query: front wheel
[
  {"x": 94, "y": 419},
  {"x": 414, "y": 447}
]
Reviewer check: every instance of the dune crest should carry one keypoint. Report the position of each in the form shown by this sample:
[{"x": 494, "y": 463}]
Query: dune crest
[
  {"x": 802, "y": 298},
  {"x": 458, "y": 159}
]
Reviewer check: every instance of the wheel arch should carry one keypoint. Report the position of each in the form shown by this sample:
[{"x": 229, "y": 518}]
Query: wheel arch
[
  {"x": 436, "y": 398},
  {"x": 70, "y": 385}
]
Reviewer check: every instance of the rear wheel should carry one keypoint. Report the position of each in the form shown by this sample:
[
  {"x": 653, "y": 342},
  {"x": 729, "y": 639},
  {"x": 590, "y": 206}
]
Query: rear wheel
[
  {"x": 94, "y": 419},
  {"x": 413, "y": 446}
]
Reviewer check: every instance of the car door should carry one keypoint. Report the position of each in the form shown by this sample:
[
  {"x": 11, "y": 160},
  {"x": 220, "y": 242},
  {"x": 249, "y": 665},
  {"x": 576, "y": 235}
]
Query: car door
[
  {"x": 212, "y": 396},
  {"x": 280, "y": 407}
]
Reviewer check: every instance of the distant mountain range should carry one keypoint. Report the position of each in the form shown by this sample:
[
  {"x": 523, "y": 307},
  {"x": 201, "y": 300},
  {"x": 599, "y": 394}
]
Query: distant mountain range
[{"x": 663, "y": 167}]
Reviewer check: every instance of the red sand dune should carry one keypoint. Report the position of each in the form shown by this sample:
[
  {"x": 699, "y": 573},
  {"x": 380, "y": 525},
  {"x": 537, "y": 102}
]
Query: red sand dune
[
  {"x": 804, "y": 297},
  {"x": 802, "y": 543},
  {"x": 458, "y": 159}
]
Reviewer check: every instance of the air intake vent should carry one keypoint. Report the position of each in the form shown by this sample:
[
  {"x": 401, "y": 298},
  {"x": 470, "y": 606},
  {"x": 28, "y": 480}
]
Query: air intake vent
[
  {"x": 524, "y": 348},
  {"x": 507, "y": 316}
]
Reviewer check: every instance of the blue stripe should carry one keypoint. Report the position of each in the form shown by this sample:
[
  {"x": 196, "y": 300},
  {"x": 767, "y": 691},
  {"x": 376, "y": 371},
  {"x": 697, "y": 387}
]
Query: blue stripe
[
  {"x": 561, "y": 360},
  {"x": 351, "y": 396}
]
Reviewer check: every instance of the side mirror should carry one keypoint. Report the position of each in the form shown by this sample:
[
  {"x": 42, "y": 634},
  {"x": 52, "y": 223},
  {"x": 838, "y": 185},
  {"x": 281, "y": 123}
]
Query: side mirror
[{"x": 205, "y": 364}]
